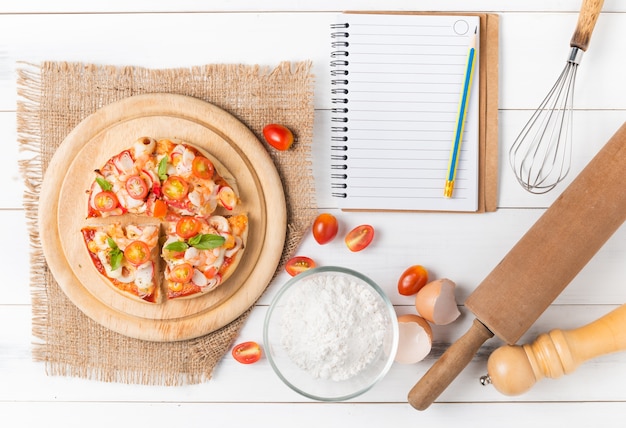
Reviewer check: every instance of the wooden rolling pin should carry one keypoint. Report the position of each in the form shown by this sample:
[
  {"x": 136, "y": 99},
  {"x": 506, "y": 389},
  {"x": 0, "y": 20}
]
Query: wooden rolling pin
[
  {"x": 542, "y": 263},
  {"x": 513, "y": 370}
]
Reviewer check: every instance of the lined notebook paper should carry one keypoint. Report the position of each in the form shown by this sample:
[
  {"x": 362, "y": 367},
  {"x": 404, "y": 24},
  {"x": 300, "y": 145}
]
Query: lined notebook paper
[{"x": 396, "y": 84}]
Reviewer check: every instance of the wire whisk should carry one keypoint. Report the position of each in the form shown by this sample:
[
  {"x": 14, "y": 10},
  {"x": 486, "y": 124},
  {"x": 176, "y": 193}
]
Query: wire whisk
[{"x": 541, "y": 155}]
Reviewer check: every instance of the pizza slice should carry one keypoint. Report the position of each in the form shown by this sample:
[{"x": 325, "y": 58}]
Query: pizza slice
[
  {"x": 127, "y": 256},
  {"x": 127, "y": 182},
  {"x": 191, "y": 183},
  {"x": 200, "y": 254}
]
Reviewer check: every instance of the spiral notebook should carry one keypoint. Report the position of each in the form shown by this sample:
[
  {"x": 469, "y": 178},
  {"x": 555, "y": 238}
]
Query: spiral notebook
[{"x": 396, "y": 85}]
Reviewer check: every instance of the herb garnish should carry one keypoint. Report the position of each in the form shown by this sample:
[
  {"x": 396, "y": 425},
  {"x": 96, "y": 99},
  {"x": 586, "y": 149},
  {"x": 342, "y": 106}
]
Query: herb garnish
[
  {"x": 162, "y": 170},
  {"x": 104, "y": 185},
  {"x": 116, "y": 254},
  {"x": 200, "y": 241}
]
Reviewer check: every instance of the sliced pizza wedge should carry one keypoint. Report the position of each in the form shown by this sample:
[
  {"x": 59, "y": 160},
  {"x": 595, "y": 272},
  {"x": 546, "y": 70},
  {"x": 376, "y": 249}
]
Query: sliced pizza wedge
[
  {"x": 201, "y": 253},
  {"x": 127, "y": 183},
  {"x": 128, "y": 257},
  {"x": 192, "y": 184}
]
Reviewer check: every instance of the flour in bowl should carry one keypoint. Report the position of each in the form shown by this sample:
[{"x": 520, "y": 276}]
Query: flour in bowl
[{"x": 333, "y": 326}]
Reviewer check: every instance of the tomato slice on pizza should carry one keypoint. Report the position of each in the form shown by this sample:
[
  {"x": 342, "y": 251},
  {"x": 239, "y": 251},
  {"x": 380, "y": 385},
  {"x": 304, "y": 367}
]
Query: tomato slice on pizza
[{"x": 127, "y": 256}]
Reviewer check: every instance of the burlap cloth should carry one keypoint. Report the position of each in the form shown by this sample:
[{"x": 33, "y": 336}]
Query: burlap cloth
[{"x": 53, "y": 98}]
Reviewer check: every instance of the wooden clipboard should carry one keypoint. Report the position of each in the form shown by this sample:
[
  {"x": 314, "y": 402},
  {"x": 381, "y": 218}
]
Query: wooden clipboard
[{"x": 488, "y": 90}]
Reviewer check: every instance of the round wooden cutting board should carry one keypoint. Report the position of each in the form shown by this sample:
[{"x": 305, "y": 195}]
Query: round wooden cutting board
[{"x": 240, "y": 158}]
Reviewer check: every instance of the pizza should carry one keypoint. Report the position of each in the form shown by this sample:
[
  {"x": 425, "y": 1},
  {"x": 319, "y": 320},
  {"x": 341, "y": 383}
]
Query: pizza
[
  {"x": 155, "y": 232},
  {"x": 127, "y": 256}
]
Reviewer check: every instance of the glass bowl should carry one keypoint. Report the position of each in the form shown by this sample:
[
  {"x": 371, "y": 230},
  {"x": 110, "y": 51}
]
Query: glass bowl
[{"x": 330, "y": 333}]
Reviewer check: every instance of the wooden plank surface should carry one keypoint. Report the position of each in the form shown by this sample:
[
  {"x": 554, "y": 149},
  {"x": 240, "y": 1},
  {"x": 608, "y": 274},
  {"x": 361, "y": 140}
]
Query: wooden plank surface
[{"x": 533, "y": 45}]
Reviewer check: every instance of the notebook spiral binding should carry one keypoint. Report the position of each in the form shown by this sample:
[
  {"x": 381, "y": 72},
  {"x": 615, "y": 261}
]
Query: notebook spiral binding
[{"x": 339, "y": 91}]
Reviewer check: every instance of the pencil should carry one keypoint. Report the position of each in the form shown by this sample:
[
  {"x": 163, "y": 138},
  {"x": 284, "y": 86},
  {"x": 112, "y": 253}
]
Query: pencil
[{"x": 460, "y": 121}]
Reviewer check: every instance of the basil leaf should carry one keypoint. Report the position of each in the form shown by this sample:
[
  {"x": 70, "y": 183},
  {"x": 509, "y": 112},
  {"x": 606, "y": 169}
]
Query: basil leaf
[
  {"x": 112, "y": 244},
  {"x": 116, "y": 255},
  {"x": 162, "y": 170},
  {"x": 104, "y": 185},
  {"x": 116, "y": 258},
  {"x": 206, "y": 242},
  {"x": 177, "y": 246}
]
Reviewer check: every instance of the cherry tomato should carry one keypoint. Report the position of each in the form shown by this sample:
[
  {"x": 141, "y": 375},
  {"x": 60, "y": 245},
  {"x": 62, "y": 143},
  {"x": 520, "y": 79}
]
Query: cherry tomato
[
  {"x": 412, "y": 280},
  {"x": 175, "y": 187},
  {"x": 137, "y": 253},
  {"x": 201, "y": 167},
  {"x": 105, "y": 201},
  {"x": 136, "y": 187},
  {"x": 325, "y": 228},
  {"x": 278, "y": 136},
  {"x": 359, "y": 237},
  {"x": 298, "y": 265},
  {"x": 188, "y": 227},
  {"x": 247, "y": 352},
  {"x": 181, "y": 273}
]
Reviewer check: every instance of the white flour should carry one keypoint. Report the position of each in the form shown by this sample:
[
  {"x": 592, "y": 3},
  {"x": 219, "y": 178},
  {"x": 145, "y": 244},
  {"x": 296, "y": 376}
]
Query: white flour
[{"x": 333, "y": 326}]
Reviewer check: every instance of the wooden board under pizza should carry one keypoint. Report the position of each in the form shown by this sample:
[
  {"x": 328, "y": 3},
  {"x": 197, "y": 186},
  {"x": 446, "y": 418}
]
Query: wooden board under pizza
[{"x": 239, "y": 156}]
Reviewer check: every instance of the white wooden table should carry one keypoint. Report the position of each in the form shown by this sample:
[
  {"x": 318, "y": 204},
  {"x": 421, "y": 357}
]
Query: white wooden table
[{"x": 534, "y": 42}]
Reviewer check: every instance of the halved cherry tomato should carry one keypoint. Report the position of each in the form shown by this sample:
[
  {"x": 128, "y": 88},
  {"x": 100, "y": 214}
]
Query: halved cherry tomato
[
  {"x": 359, "y": 237},
  {"x": 175, "y": 187},
  {"x": 181, "y": 273},
  {"x": 188, "y": 227},
  {"x": 105, "y": 201},
  {"x": 136, "y": 187},
  {"x": 137, "y": 253},
  {"x": 278, "y": 136},
  {"x": 247, "y": 352},
  {"x": 201, "y": 167},
  {"x": 325, "y": 228},
  {"x": 298, "y": 265},
  {"x": 412, "y": 280},
  {"x": 160, "y": 209}
]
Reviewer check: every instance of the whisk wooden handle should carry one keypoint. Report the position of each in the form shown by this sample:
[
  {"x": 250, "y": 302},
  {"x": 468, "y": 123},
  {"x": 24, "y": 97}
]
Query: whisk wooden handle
[
  {"x": 514, "y": 369},
  {"x": 589, "y": 12}
]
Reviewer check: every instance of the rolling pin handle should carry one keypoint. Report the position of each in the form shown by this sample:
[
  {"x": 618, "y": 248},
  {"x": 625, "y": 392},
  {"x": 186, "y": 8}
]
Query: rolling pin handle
[{"x": 448, "y": 366}]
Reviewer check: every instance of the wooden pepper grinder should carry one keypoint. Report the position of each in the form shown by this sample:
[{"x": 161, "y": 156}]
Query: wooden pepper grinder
[{"x": 513, "y": 369}]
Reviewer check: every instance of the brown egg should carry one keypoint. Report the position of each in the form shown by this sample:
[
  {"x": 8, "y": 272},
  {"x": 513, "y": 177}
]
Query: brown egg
[
  {"x": 415, "y": 339},
  {"x": 436, "y": 302}
]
